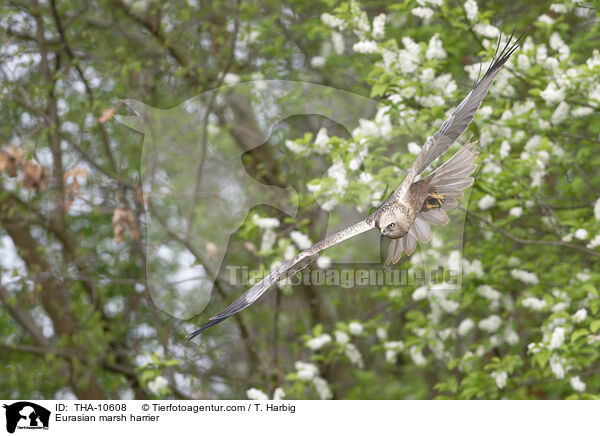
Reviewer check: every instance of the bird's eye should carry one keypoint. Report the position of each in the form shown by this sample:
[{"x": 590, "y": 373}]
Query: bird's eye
[{"x": 391, "y": 226}]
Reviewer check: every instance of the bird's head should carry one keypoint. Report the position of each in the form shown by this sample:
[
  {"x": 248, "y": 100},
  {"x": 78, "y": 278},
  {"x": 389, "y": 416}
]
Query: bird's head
[{"x": 392, "y": 225}]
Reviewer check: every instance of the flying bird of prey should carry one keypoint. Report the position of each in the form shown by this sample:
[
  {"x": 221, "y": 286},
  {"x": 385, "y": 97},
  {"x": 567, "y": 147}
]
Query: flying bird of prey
[{"x": 405, "y": 217}]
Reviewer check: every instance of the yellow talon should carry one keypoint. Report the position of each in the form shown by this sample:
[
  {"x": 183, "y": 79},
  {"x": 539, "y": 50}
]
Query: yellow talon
[{"x": 434, "y": 201}]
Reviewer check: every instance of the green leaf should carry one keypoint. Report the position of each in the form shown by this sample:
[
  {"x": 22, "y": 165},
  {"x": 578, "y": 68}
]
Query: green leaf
[
  {"x": 578, "y": 334},
  {"x": 378, "y": 89},
  {"x": 541, "y": 358}
]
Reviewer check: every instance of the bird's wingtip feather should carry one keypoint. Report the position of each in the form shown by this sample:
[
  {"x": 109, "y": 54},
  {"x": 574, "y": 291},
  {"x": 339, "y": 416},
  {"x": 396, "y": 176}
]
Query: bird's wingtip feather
[{"x": 211, "y": 323}]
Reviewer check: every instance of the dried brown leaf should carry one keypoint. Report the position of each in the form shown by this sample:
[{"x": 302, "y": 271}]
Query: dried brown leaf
[
  {"x": 107, "y": 114},
  {"x": 35, "y": 177}
]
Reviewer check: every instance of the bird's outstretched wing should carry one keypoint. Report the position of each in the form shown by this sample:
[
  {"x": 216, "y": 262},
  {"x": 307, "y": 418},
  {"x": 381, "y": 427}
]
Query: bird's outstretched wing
[
  {"x": 298, "y": 263},
  {"x": 460, "y": 119}
]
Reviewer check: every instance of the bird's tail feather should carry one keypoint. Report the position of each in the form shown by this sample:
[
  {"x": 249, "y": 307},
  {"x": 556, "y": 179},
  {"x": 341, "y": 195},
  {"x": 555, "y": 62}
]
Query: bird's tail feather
[{"x": 452, "y": 178}]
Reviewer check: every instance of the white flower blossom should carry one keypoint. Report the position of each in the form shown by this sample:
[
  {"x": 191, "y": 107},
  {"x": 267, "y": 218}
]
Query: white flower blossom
[
  {"x": 523, "y": 62},
  {"x": 577, "y": 384},
  {"x": 446, "y": 333},
  {"x": 409, "y": 57},
  {"x": 556, "y": 365},
  {"x": 322, "y": 138},
  {"x": 557, "y": 44},
  {"x": 541, "y": 53},
  {"x": 379, "y": 26},
  {"x": 594, "y": 95},
  {"x": 430, "y": 100},
  {"x": 231, "y": 79},
  {"x": 526, "y": 277},
  {"x": 365, "y": 177},
  {"x": 158, "y": 384},
  {"x": 485, "y": 112},
  {"x": 567, "y": 237},
  {"x": 595, "y": 242},
  {"x": 490, "y": 324},
  {"x": 427, "y": 75},
  {"x": 511, "y": 337},
  {"x": 279, "y": 394},
  {"x": 318, "y": 342},
  {"x": 317, "y": 62},
  {"x": 353, "y": 354},
  {"x": 355, "y": 328},
  {"x": 495, "y": 341},
  {"x": 301, "y": 240},
  {"x": 381, "y": 333},
  {"x": 555, "y": 41},
  {"x": 501, "y": 378},
  {"x": 294, "y": 146},
  {"x": 265, "y": 223},
  {"x": 366, "y": 128},
  {"x": 475, "y": 267},
  {"x": 516, "y": 211},
  {"x": 306, "y": 371},
  {"x": 580, "y": 315},
  {"x": 333, "y": 22},
  {"x": 268, "y": 240},
  {"x": 513, "y": 261},
  {"x": 488, "y": 292},
  {"x": 258, "y": 76},
  {"x": 337, "y": 40},
  {"x": 533, "y": 143},
  {"x": 558, "y": 338},
  {"x": 534, "y": 303},
  {"x": 256, "y": 394},
  {"x": 391, "y": 355},
  {"x": 394, "y": 345},
  {"x": 552, "y": 94},
  {"x": 445, "y": 84},
  {"x": 449, "y": 306},
  {"x": 581, "y": 234},
  {"x": 423, "y": 13},
  {"x": 392, "y": 349},
  {"x": 594, "y": 61},
  {"x": 420, "y": 293},
  {"x": 597, "y": 209},
  {"x": 558, "y": 307},
  {"x": 417, "y": 356},
  {"x": 414, "y": 148},
  {"x": 289, "y": 252},
  {"x": 486, "y": 202},
  {"x": 582, "y": 111},
  {"x": 486, "y": 30},
  {"x": 465, "y": 326},
  {"x": 559, "y": 8},
  {"x": 435, "y": 50},
  {"x": 362, "y": 24},
  {"x": 341, "y": 337},
  {"x": 560, "y": 113},
  {"x": 368, "y": 46},
  {"x": 545, "y": 19},
  {"x": 322, "y": 388},
  {"x": 471, "y": 9},
  {"x": 324, "y": 262}
]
